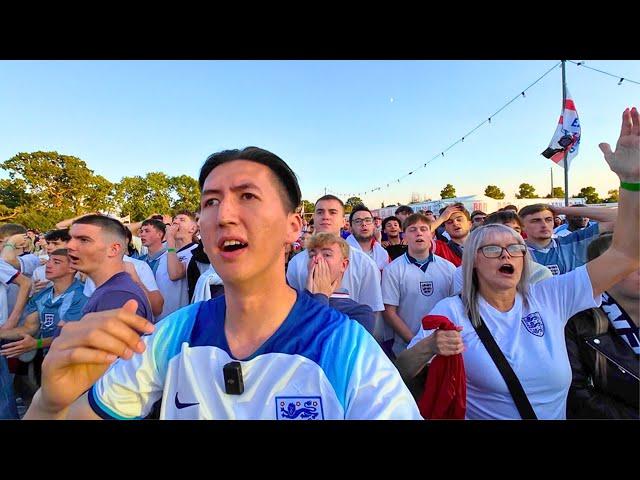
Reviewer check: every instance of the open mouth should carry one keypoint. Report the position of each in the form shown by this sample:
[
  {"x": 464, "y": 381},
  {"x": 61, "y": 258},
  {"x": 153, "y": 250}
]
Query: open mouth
[
  {"x": 233, "y": 245},
  {"x": 73, "y": 258},
  {"x": 507, "y": 268}
]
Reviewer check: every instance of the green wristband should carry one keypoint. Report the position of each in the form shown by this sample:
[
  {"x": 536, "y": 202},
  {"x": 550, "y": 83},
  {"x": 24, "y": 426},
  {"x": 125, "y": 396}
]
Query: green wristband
[
  {"x": 633, "y": 187},
  {"x": 39, "y": 344},
  {"x": 169, "y": 250}
]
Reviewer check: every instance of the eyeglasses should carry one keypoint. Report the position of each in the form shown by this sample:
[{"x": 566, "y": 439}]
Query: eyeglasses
[
  {"x": 495, "y": 251},
  {"x": 365, "y": 221}
]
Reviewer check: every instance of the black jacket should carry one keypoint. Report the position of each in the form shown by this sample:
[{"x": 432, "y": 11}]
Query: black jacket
[{"x": 587, "y": 397}]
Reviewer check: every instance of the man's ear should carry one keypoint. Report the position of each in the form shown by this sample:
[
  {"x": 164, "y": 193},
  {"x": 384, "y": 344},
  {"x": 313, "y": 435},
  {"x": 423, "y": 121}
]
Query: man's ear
[{"x": 294, "y": 226}]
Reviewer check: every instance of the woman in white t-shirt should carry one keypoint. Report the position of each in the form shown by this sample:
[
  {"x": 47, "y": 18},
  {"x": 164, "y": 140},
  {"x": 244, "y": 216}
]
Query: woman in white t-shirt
[{"x": 528, "y": 321}]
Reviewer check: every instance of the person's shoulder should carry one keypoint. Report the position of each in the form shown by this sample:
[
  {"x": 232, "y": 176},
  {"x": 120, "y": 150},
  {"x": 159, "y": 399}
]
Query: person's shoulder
[
  {"x": 443, "y": 262},
  {"x": 448, "y": 304},
  {"x": 361, "y": 259},
  {"x": 397, "y": 264},
  {"x": 42, "y": 294}
]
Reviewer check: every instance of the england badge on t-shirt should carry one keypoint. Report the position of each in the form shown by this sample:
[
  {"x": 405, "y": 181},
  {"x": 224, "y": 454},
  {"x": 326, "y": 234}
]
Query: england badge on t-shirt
[
  {"x": 426, "y": 288},
  {"x": 299, "y": 408},
  {"x": 48, "y": 320},
  {"x": 534, "y": 324},
  {"x": 555, "y": 269}
]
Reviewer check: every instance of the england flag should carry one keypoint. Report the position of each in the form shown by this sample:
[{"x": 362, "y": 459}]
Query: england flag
[{"x": 567, "y": 135}]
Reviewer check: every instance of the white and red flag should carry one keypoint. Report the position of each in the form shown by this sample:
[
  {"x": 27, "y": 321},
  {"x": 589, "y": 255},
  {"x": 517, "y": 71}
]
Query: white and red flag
[{"x": 567, "y": 135}]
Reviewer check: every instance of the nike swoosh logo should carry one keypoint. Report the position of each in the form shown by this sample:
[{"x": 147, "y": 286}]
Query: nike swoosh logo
[{"x": 180, "y": 405}]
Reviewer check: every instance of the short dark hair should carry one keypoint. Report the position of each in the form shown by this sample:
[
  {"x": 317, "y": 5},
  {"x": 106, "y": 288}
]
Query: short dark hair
[
  {"x": 531, "y": 209},
  {"x": 60, "y": 234},
  {"x": 11, "y": 229},
  {"x": 428, "y": 211},
  {"x": 155, "y": 223},
  {"x": 502, "y": 217},
  {"x": 286, "y": 177},
  {"x": 358, "y": 208},
  {"x": 188, "y": 213},
  {"x": 477, "y": 212},
  {"x": 404, "y": 209},
  {"x": 511, "y": 207},
  {"x": 108, "y": 224},
  {"x": 392, "y": 218},
  {"x": 415, "y": 218},
  {"x": 330, "y": 197},
  {"x": 63, "y": 252}
]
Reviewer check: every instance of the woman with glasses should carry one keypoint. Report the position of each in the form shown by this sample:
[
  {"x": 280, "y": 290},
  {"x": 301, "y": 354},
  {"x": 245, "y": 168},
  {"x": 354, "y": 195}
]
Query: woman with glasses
[{"x": 528, "y": 321}]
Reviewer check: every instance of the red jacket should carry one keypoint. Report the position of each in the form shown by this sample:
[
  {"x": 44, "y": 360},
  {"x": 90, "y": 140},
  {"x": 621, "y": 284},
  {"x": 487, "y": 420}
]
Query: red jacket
[
  {"x": 443, "y": 250},
  {"x": 445, "y": 389}
]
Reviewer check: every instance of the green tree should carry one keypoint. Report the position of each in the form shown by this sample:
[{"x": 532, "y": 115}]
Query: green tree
[
  {"x": 185, "y": 193},
  {"x": 307, "y": 206},
  {"x": 612, "y": 196},
  {"x": 590, "y": 194},
  {"x": 141, "y": 197},
  {"x": 351, "y": 203},
  {"x": 558, "y": 192},
  {"x": 526, "y": 191},
  {"x": 448, "y": 191},
  {"x": 46, "y": 187},
  {"x": 494, "y": 192}
]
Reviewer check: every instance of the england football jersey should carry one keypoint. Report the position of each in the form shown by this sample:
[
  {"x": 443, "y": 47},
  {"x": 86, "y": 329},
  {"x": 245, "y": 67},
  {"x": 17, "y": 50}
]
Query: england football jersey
[
  {"x": 174, "y": 292},
  {"x": 531, "y": 337},
  {"x": 378, "y": 254},
  {"x": 415, "y": 291},
  {"x": 317, "y": 365},
  {"x": 564, "y": 254}
]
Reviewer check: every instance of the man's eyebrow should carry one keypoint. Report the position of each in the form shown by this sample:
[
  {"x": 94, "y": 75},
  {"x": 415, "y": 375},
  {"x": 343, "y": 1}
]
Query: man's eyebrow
[
  {"x": 82, "y": 237},
  {"x": 235, "y": 188}
]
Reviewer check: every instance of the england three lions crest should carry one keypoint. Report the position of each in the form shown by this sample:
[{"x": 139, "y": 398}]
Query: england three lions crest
[
  {"x": 534, "y": 324},
  {"x": 426, "y": 288},
  {"x": 299, "y": 408}
]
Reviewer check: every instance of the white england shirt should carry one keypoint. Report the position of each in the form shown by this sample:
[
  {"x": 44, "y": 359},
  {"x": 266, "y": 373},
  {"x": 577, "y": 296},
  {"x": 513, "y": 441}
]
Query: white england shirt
[
  {"x": 317, "y": 365},
  {"x": 415, "y": 292},
  {"x": 531, "y": 339},
  {"x": 378, "y": 254},
  {"x": 175, "y": 292}
]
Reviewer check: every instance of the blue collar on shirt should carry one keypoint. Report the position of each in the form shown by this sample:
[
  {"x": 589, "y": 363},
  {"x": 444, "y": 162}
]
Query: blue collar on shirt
[{"x": 421, "y": 265}]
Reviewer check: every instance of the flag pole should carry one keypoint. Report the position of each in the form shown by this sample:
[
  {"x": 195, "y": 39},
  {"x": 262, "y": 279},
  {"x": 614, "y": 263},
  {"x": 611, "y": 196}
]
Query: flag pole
[{"x": 566, "y": 152}]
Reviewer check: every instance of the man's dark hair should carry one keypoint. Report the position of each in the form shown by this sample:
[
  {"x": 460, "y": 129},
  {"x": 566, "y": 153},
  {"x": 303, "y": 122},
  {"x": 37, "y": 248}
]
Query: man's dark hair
[
  {"x": 404, "y": 209},
  {"x": 428, "y": 211},
  {"x": 502, "y": 217},
  {"x": 392, "y": 218},
  {"x": 188, "y": 213},
  {"x": 286, "y": 177},
  {"x": 531, "y": 209},
  {"x": 157, "y": 217},
  {"x": 157, "y": 224},
  {"x": 108, "y": 224},
  {"x": 415, "y": 218},
  {"x": 358, "y": 208},
  {"x": 510, "y": 207},
  {"x": 477, "y": 212},
  {"x": 11, "y": 229},
  {"x": 63, "y": 252},
  {"x": 330, "y": 197},
  {"x": 60, "y": 234}
]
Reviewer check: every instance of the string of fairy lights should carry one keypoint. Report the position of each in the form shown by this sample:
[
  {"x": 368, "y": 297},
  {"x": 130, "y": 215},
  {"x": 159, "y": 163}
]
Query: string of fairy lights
[{"x": 487, "y": 121}]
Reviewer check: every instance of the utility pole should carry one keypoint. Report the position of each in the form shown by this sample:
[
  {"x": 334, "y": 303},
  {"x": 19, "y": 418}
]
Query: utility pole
[{"x": 566, "y": 151}]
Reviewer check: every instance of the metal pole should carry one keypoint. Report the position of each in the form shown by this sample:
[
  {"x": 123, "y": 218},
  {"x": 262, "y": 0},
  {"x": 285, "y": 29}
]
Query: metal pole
[
  {"x": 566, "y": 152},
  {"x": 551, "y": 168}
]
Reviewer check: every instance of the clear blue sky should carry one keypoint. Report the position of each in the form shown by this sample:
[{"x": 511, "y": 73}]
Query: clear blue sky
[{"x": 348, "y": 126}]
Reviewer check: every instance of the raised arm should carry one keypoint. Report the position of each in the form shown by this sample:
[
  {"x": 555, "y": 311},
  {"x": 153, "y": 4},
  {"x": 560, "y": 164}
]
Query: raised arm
[
  {"x": 81, "y": 355},
  {"x": 606, "y": 217},
  {"x": 446, "y": 214},
  {"x": 623, "y": 257},
  {"x": 24, "y": 285}
]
